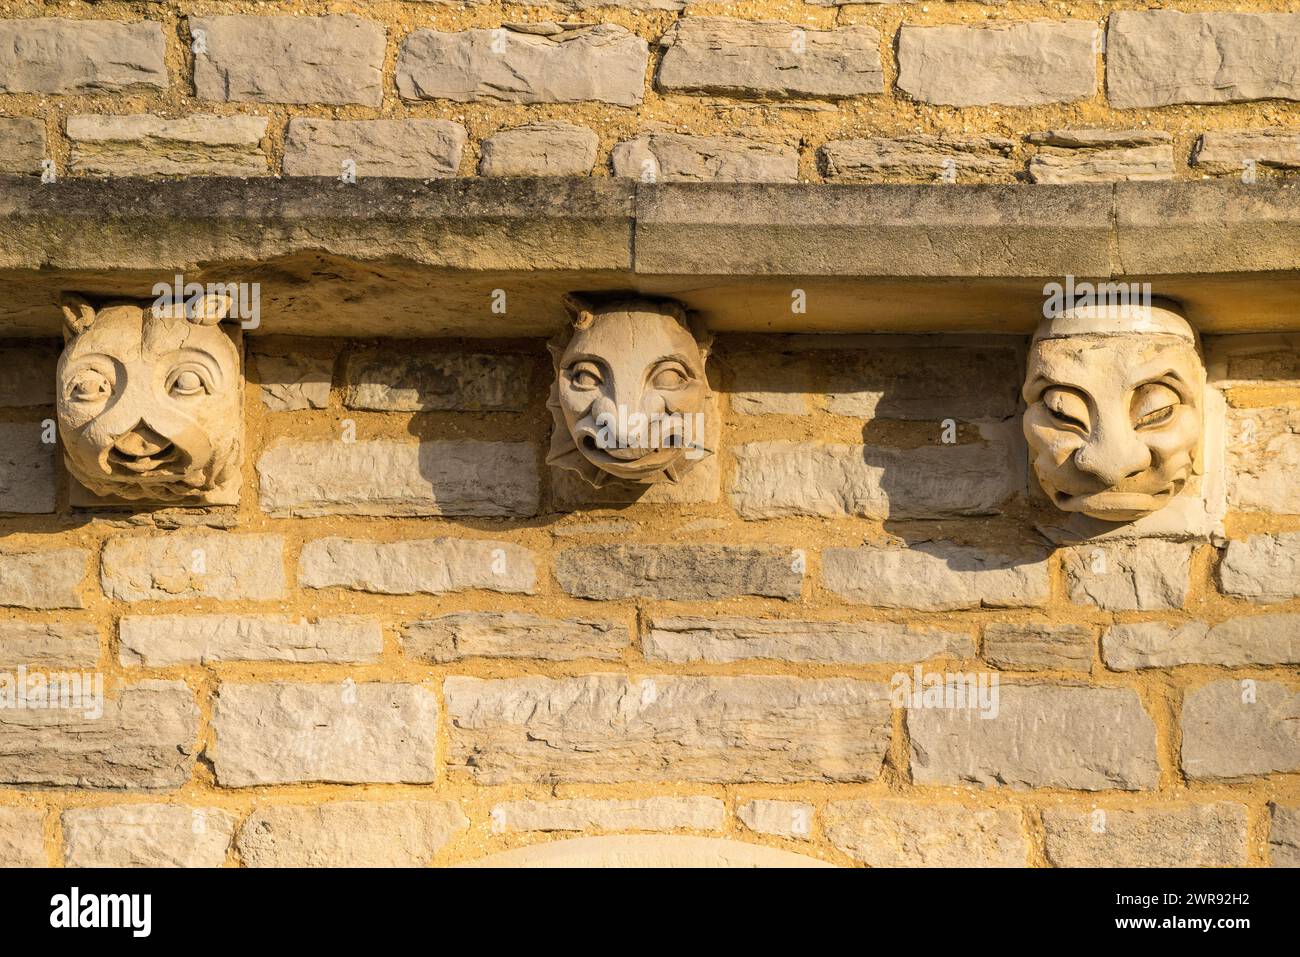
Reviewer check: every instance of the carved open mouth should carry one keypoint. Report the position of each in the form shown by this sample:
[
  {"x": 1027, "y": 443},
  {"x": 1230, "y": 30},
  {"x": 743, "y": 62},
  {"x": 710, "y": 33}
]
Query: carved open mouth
[
  {"x": 141, "y": 452},
  {"x": 1116, "y": 503}
]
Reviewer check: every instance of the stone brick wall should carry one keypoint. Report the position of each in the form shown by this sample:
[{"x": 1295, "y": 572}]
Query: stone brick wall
[{"x": 412, "y": 642}]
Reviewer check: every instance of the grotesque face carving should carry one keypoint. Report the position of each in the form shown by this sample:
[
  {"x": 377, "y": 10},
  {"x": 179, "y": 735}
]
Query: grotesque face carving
[
  {"x": 630, "y": 394},
  {"x": 149, "y": 401},
  {"x": 1114, "y": 409}
]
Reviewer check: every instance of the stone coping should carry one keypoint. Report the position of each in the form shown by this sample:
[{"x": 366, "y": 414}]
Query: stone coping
[{"x": 409, "y": 258}]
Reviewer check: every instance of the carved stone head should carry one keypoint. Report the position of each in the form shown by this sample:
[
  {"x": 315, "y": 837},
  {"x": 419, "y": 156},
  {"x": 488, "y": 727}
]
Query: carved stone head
[
  {"x": 1114, "y": 411},
  {"x": 149, "y": 400},
  {"x": 630, "y": 397}
]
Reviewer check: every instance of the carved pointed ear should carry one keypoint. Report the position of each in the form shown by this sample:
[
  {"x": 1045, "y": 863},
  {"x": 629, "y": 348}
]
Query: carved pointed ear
[
  {"x": 580, "y": 310},
  {"x": 208, "y": 310},
  {"x": 78, "y": 314}
]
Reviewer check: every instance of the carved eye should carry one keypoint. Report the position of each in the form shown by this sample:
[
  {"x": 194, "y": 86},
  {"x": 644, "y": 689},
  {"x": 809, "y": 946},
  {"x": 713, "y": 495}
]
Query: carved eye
[
  {"x": 89, "y": 386},
  {"x": 670, "y": 375},
  {"x": 187, "y": 381},
  {"x": 1067, "y": 408},
  {"x": 585, "y": 375},
  {"x": 1154, "y": 404}
]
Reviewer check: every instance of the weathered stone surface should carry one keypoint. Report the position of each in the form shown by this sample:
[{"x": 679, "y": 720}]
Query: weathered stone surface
[
  {"x": 1263, "y": 456},
  {"x": 349, "y": 834},
  {"x": 606, "y": 728},
  {"x": 1199, "y": 835},
  {"x": 936, "y": 576},
  {"x": 417, "y": 149},
  {"x": 1263, "y": 568},
  {"x": 1258, "y": 640},
  {"x": 340, "y": 733},
  {"x": 676, "y": 158},
  {"x": 1039, "y": 646},
  {"x": 1158, "y": 57},
  {"x": 1063, "y": 736},
  {"x": 291, "y": 383},
  {"x": 48, "y": 644},
  {"x": 947, "y": 380},
  {"x": 81, "y": 56},
  {"x": 26, "y": 469},
  {"x": 923, "y": 157},
  {"x": 1012, "y": 64},
  {"x": 1092, "y": 138},
  {"x": 770, "y": 383},
  {"x": 43, "y": 579},
  {"x": 1225, "y": 152},
  {"x": 383, "y": 477},
  {"x": 160, "y": 640},
  {"x": 641, "y": 814},
  {"x": 824, "y": 642},
  {"x": 21, "y": 838},
  {"x": 571, "y": 64},
  {"x": 790, "y": 819},
  {"x": 897, "y": 833},
  {"x": 1284, "y": 836},
  {"x": 429, "y": 567},
  {"x": 24, "y": 148},
  {"x": 144, "y": 740},
  {"x": 547, "y": 148},
  {"x": 571, "y": 492},
  {"x": 486, "y": 634},
  {"x": 184, "y": 566},
  {"x": 780, "y": 479},
  {"x": 146, "y": 835},
  {"x": 1234, "y": 729},
  {"x": 146, "y": 145},
  {"x": 679, "y": 572},
  {"x": 1129, "y": 576},
  {"x": 1102, "y": 165},
  {"x": 646, "y": 851},
  {"x": 252, "y": 59},
  {"x": 407, "y": 380},
  {"x": 769, "y": 59},
  {"x": 29, "y": 375}
]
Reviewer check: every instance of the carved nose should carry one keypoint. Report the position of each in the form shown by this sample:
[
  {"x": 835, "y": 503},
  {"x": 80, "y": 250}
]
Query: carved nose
[{"x": 1114, "y": 460}]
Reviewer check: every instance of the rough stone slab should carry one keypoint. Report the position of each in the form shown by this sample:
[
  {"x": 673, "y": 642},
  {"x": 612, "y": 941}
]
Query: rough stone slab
[
  {"x": 486, "y": 634},
  {"x": 717, "y": 640},
  {"x": 896, "y": 833},
  {"x": 923, "y": 157},
  {"x": 547, "y": 148},
  {"x": 1159, "y": 57},
  {"x": 27, "y": 479},
  {"x": 641, "y": 814},
  {"x": 927, "y": 383},
  {"x": 1257, "y": 640},
  {"x": 1039, "y": 646},
  {"x": 1252, "y": 360},
  {"x": 53, "y": 55},
  {"x": 1129, "y": 576},
  {"x": 605, "y": 63},
  {"x": 146, "y": 145},
  {"x": 1204, "y": 835},
  {"x": 43, "y": 579},
  {"x": 1011, "y": 64},
  {"x": 1284, "y": 836},
  {"x": 22, "y": 840},
  {"x": 292, "y": 383},
  {"x": 1226, "y": 734},
  {"x": 1263, "y": 456},
  {"x": 679, "y": 572},
  {"x": 1225, "y": 152},
  {"x": 936, "y": 576},
  {"x": 29, "y": 375},
  {"x": 24, "y": 148},
  {"x": 337, "y": 733},
  {"x": 759, "y": 60},
  {"x": 418, "y": 149},
  {"x": 1088, "y": 739},
  {"x": 48, "y": 644},
  {"x": 383, "y": 477},
  {"x": 1103, "y": 165},
  {"x": 788, "y": 819},
  {"x": 676, "y": 158},
  {"x": 1090, "y": 138},
  {"x": 157, "y": 641},
  {"x": 146, "y": 835},
  {"x": 184, "y": 566},
  {"x": 349, "y": 834},
  {"x": 1262, "y": 568},
  {"x": 606, "y": 728},
  {"x": 334, "y": 59},
  {"x": 406, "y": 379},
  {"x": 781, "y": 479},
  {"x": 431, "y": 566},
  {"x": 143, "y": 741},
  {"x": 769, "y": 383}
]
